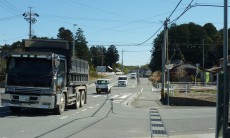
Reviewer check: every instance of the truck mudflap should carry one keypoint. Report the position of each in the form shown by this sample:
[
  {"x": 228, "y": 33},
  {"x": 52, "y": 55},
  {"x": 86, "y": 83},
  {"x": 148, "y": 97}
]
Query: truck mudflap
[{"x": 28, "y": 101}]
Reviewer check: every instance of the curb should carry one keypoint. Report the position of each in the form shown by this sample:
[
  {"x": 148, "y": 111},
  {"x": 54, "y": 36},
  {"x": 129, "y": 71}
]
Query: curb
[{"x": 132, "y": 98}]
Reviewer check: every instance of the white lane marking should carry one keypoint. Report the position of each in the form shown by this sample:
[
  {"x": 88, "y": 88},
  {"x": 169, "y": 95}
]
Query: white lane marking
[
  {"x": 97, "y": 105},
  {"x": 90, "y": 107},
  {"x": 117, "y": 101},
  {"x": 124, "y": 96},
  {"x": 142, "y": 89},
  {"x": 96, "y": 96},
  {"x": 114, "y": 96},
  {"x": 75, "y": 113},
  {"x": 83, "y": 110},
  {"x": 63, "y": 117}
]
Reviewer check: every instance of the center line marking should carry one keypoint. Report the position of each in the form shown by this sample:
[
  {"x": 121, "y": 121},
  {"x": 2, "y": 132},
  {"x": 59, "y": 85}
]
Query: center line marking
[{"x": 63, "y": 117}]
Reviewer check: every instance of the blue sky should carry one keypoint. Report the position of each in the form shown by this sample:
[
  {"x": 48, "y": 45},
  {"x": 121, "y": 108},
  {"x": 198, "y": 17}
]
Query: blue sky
[{"x": 123, "y": 23}]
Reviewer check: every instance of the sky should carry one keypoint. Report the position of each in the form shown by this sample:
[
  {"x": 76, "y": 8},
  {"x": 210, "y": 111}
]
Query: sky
[{"x": 130, "y": 25}]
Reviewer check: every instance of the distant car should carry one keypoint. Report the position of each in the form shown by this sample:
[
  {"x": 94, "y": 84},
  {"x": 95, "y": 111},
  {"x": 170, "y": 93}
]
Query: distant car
[
  {"x": 133, "y": 75},
  {"x": 122, "y": 81},
  {"x": 103, "y": 85}
]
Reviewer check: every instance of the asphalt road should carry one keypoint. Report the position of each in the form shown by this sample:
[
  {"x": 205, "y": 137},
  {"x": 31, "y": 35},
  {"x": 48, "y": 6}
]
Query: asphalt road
[
  {"x": 109, "y": 116},
  {"x": 128, "y": 112}
]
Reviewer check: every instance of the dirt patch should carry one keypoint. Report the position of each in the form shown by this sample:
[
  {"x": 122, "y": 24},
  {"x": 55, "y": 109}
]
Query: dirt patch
[{"x": 192, "y": 99}]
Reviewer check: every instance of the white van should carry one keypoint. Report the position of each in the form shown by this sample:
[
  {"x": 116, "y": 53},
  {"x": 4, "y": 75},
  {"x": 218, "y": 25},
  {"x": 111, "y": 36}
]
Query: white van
[
  {"x": 133, "y": 75},
  {"x": 122, "y": 81},
  {"x": 103, "y": 85}
]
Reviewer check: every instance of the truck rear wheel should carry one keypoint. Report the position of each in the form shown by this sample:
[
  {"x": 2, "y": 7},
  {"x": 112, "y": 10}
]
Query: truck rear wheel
[{"x": 62, "y": 105}]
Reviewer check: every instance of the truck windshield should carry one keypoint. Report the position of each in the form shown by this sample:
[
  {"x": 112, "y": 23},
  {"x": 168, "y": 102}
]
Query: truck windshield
[
  {"x": 29, "y": 66},
  {"x": 34, "y": 72}
]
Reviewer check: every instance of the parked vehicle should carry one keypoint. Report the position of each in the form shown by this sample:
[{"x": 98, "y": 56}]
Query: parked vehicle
[
  {"x": 103, "y": 85},
  {"x": 122, "y": 81},
  {"x": 45, "y": 75}
]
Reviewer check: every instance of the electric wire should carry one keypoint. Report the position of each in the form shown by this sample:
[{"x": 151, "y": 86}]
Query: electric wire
[
  {"x": 10, "y": 8},
  {"x": 186, "y": 9},
  {"x": 161, "y": 25}
]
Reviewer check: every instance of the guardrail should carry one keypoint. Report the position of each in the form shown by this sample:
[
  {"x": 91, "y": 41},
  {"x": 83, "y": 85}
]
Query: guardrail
[{"x": 186, "y": 86}]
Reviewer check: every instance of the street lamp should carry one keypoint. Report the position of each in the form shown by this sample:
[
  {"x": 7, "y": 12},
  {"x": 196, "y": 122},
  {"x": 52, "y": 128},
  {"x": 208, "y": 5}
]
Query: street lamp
[{"x": 168, "y": 67}]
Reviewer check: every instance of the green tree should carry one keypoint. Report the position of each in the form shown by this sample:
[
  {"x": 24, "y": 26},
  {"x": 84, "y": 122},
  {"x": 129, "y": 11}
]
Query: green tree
[
  {"x": 186, "y": 42},
  {"x": 111, "y": 56},
  {"x": 82, "y": 50},
  {"x": 65, "y": 34},
  {"x": 97, "y": 55},
  {"x": 16, "y": 46}
]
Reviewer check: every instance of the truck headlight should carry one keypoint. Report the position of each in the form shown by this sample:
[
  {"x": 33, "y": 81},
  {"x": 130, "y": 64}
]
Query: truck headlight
[{"x": 11, "y": 89}]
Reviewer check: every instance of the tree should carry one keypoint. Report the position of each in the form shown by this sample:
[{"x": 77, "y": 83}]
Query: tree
[
  {"x": 65, "y": 34},
  {"x": 155, "y": 63},
  {"x": 186, "y": 42},
  {"x": 82, "y": 50},
  {"x": 80, "y": 37},
  {"x": 97, "y": 55},
  {"x": 111, "y": 56},
  {"x": 16, "y": 46}
]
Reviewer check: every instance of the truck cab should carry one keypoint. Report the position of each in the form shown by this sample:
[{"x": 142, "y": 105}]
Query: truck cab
[
  {"x": 33, "y": 79},
  {"x": 46, "y": 76}
]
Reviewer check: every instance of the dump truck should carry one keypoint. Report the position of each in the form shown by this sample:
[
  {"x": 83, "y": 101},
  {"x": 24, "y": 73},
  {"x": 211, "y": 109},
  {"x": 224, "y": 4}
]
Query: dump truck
[{"x": 45, "y": 75}]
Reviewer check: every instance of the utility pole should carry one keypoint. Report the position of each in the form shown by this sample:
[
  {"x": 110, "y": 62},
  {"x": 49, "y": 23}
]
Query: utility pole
[
  {"x": 225, "y": 66},
  {"x": 203, "y": 53},
  {"x": 122, "y": 61},
  {"x": 30, "y": 17},
  {"x": 74, "y": 25},
  {"x": 164, "y": 58}
]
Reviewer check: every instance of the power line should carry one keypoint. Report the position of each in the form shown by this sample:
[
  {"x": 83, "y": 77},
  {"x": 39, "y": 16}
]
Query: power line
[
  {"x": 161, "y": 25},
  {"x": 150, "y": 36},
  {"x": 108, "y": 12},
  {"x": 12, "y": 7},
  {"x": 8, "y": 8},
  {"x": 174, "y": 9},
  {"x": 186, "y": 9}
]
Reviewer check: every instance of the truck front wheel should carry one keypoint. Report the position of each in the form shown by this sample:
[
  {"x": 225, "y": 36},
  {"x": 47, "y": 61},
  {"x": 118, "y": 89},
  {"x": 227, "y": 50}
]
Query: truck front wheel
[
  {"x": 82, "y": 98},
  {"x": 61, "y": 107},
  {"x": 77, "y": 102}
]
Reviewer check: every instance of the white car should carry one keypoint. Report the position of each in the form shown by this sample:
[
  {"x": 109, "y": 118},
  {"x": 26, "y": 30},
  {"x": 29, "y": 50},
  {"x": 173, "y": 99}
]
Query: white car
[
  {"x": 133, "y": 75},
  {"x": 122, "y": 81},
  {"x": 103, "y": 85}
]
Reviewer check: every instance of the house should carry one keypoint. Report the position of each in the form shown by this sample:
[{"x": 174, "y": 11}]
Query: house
[
  {"x": 214, "y": 70},
  {"x": 186, "y": 72}
]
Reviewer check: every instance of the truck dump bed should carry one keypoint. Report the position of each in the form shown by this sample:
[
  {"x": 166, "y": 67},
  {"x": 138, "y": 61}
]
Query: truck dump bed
[{"x": 78, "y": 69}]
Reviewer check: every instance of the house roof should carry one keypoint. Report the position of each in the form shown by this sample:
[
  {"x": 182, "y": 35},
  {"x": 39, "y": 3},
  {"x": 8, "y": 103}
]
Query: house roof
[{"x": 188, "y": 63}]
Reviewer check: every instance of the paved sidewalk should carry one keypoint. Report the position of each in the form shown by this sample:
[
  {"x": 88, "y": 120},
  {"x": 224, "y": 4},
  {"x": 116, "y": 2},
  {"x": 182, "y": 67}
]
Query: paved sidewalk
[{"x": 160, "y": 123}]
